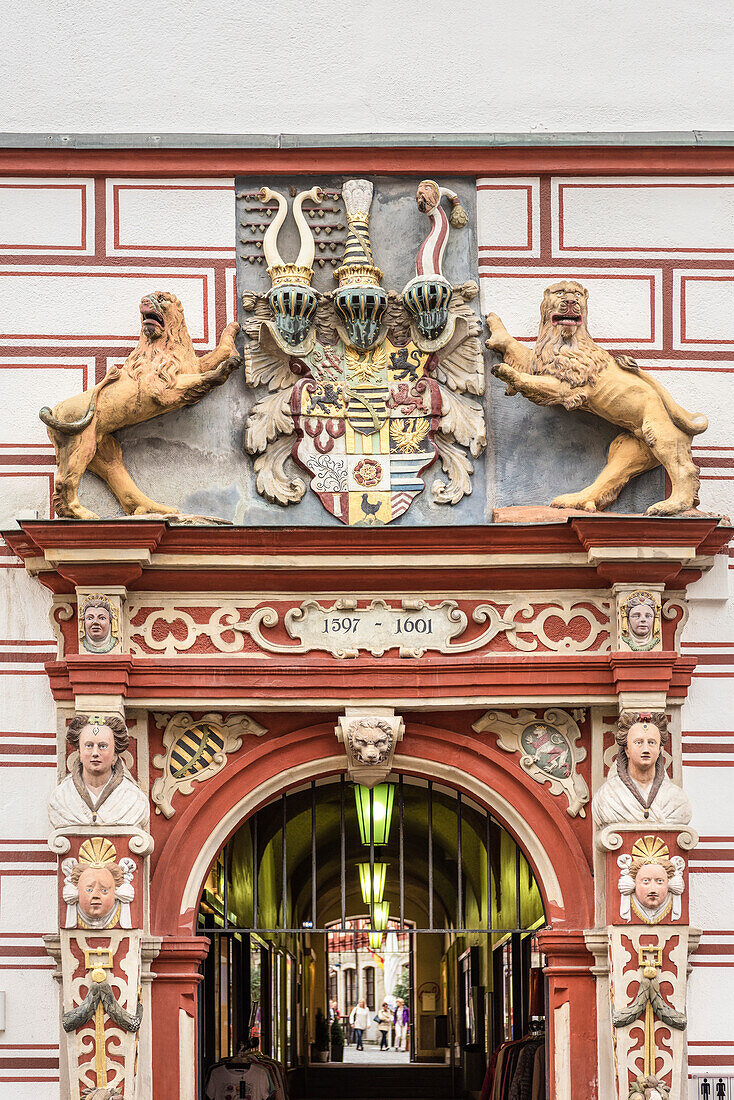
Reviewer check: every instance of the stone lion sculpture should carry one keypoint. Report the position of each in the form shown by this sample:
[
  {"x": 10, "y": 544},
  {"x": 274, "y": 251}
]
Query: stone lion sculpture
[
  {"x": 567, "y": 368},
  {"x": 162, "y": 373}
]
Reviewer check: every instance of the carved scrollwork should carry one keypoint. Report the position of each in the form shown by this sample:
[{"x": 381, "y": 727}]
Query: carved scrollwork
[
  {"x": 62, "y": 610},
  {"x": 557, "y": 624},
  {"x": 676, "y": 607},
  {"x": 548, "y": 747},
  {"x": 611, "y": 839},
  {"x": 140, "y": 843},
  {"x": 196, "y": 750}
]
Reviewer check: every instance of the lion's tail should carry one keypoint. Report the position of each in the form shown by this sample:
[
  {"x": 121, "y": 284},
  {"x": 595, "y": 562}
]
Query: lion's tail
[
  {"x": 690, "y": 423},
  {"x": 75, "y": 427}
]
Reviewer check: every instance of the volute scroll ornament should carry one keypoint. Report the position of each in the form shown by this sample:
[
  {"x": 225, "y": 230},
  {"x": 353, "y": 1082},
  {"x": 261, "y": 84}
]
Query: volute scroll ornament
[{"x": 365, "y": 387}]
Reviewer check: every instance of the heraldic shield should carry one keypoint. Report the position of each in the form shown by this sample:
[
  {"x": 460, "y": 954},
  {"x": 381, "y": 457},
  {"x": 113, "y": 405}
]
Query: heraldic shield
[{"x": 364, "y": 423}]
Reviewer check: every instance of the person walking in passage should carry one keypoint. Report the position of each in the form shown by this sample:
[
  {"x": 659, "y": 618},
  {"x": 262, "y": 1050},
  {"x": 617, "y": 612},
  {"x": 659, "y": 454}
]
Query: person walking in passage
[
  {"x": 359, "y": 1018},
  {"x": 402, "y": 1025},
  {"x": 384, "y": 1024}
]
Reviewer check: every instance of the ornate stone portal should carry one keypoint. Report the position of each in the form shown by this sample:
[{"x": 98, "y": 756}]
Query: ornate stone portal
[
  {"x": 538, "y": 758},
  {"x": 183, "y": 632}
]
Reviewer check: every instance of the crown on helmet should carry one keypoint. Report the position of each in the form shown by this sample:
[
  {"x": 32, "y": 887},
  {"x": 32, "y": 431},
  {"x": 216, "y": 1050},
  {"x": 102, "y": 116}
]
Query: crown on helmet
[
  {"x": 291, "y": 298},
  {"x": 360, "y": 301}
]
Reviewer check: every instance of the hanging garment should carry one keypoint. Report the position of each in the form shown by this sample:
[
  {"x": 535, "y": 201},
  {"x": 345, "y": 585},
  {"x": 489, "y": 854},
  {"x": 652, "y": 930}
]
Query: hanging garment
[
  {"x": 224, "y": 1082},
  {"x": 521, "y": 1087}
]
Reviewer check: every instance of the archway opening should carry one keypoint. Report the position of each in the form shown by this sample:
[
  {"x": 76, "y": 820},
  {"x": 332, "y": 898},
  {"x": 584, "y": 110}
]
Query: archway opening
[{"x": 314, "y": 914}]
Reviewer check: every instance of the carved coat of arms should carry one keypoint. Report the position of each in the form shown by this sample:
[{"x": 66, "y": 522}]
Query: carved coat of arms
[{"x": 366, "y": 389}]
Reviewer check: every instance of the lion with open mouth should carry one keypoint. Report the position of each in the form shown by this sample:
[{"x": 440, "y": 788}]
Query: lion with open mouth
[
  {"x": 567, "y": 368},
  {"x": 162, "y": 373}
]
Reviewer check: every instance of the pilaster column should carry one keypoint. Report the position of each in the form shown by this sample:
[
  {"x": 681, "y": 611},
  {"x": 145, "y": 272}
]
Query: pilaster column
[
  {"x": 175, "y": 1017},
  {"x": 571, "y": 1021}
]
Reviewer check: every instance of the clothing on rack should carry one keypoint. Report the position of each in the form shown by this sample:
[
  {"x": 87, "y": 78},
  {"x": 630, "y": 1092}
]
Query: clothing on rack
[
  {"x": 225, "y": 1082},
  {"x": 251, "y": 1074},
  {"x": 517, "y": 1070}
]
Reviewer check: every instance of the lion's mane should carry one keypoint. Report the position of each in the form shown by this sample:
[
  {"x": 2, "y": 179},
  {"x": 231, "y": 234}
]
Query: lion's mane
[
  {"x": 578, "y": 361},
  {"x": 165, "y": 353}
]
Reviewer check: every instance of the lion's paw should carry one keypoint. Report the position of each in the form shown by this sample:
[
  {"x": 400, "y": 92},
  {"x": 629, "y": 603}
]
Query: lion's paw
[
  {"x": 673, "y": 506},
  {"x": 574, "y": 500}
]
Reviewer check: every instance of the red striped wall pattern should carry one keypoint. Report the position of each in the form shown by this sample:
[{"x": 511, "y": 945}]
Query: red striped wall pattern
[{"x": 658, "y": 265}]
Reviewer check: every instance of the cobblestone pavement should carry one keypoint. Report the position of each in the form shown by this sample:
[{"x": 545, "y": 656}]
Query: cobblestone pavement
[{"x": 373, "y": 1056}]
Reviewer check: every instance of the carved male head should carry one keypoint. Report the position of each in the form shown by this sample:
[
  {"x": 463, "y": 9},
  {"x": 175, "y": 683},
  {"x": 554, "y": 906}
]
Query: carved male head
[
  {"x": 99, "y": 741},
  {"x": 427, "y": 196},
  {"x": 641, "y": 737},
  {"x": 370, "y": 740},
  {"x": 652, "y": 883}
]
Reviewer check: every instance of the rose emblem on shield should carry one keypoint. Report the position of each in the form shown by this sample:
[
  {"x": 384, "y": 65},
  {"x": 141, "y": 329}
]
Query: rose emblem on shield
[{"x": 367, "y": 473}]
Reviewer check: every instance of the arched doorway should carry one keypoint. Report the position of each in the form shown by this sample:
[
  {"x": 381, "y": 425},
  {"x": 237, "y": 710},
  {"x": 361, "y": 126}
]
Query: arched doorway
[
  {"x": 446, "y": 937},
  {"x": 187, "y": 848}
]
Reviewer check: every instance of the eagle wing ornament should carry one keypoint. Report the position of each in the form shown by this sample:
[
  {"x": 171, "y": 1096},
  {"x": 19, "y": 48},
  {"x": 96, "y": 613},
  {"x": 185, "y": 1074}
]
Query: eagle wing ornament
[{"x": 429, "y": 337}]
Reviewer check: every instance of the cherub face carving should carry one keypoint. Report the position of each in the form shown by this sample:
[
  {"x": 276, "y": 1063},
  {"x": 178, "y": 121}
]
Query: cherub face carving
[
  {"x": 652, "y": 885},
  {"x": 370, "y": 742},
  {"x": 96, "y": 887}
]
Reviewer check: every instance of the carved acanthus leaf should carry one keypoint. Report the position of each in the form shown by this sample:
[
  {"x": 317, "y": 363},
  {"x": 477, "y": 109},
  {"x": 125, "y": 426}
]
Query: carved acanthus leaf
[
  {"x": 461, "y": 365},
  {"x": 263, "y": 368},
  {"x": 275, "y": 473},
  {"x": 463, "y": 419},
  {"x": 397, "y": 319},
  {"x": 459, "y": 469},
  {"x": 256, "y": 310},
  {"x": 270, "y": 417}
]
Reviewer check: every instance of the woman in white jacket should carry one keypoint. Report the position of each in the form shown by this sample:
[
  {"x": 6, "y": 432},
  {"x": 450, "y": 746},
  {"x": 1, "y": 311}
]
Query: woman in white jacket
[{"x": 359, "y": 1018}]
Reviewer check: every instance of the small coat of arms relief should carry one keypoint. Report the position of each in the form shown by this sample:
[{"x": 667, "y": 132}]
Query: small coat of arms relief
[{"x": 366, "y": 388}]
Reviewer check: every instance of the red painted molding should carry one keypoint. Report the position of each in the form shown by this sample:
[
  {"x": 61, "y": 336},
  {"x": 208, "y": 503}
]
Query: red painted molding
[
  {"x": 102, "y": 674},
  {"x": 371, "y": 677},
  {"x": 179, "y": 958},
  {"x": 399, "y": 559},
  {"x": 431, "y": 160}
]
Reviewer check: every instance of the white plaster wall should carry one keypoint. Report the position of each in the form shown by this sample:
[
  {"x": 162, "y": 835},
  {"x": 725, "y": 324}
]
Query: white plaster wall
[{"x": 415, "y": 66}]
